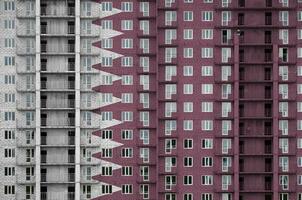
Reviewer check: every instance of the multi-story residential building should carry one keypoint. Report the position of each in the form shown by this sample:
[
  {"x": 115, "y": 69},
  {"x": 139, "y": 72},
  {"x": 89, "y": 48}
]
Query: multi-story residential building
[{"x": 151, "y": 99}]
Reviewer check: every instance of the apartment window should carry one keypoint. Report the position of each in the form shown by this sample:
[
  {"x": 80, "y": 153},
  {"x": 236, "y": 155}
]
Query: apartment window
[
  {"x": 207, "y": 180},
  {"x": 9, "y": 116},
  {"x": 107, "y": 134},
  {"x": 127, "y": 61},
  {"x": 144, "y": 136},
  {"x": 206, "y": 161},
  {"x": 127, "y": 153},
  {"x": 188, "y": 180},
  {"x": 206, "y": 88},
  {"x": 188, "y": 16},
  {"x": 127, "y": 171},
  {"x": 127, "y": 25},
  {"x": 86, "y": 8},
  {"x": 188, "y": 1},
  {"x": 9, "y": 134},
  {"x": 299, "y": 34},
  {"x": 106, "y": 6},
  {"x": 127, "y": 116},
  {"x": 106, "y": 189},
  {"x": 188, "y": 125},
  {"x": 206, "y": 52},
  {"x": 9, "y": 42},
  {"x": 207, "y": 34},
  {"x": 106, "y": 171},
  {"x": 127, "y": 6},
  {"x": 188, "y": 161},
  {"x": 208, "y": 1},
  {"x": 207, "y": 71},
  {"x": 127, "y": 43},
  {"x": 107, "y": 43},
  {"x": 127, "y": 134},
  {"x": 188, "y": 52},
  {"x": 127, "y": 189},
  {"x": 107, "y": 24},
  {"x": 106, "y": 97},
  {"x": 207, "y": 143},
  {"x": 9, "y": 153},
  {"x": 9, "y": 189},
  {"x": 107, "y": 61},
  {"x": 188, "y": 88},
  {"x": 188, "y": 143},
  {"x": 9, "y": 5},
  {"x": 9, "y": 98},
  {"x": 9, "y": 171},
  {"x": 188, "y": 196},
  {"x": 9, "y": 24},
  {"x": 127, "y": 80},
  {"x": 299, "y": 18},
  {"x": 206, "y": 106},
  {"x": 188, "y": 34},
  {"x": 207, "y": 16},
  {"x": 188, "y": 106},
  {"x": 127, "y": 98},
  {"x": 106, "y": 116},
  {"x": 299, "y": 196},
  {"x": 208, "y": 196},
  {"x": 206, "y": 125},
  {"x": 9, "y": 60},
  {"x": 188, "y": 71}
]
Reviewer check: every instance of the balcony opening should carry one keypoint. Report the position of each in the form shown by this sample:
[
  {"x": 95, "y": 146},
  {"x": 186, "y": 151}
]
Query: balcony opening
[
  {"x": 241, "y": 110},
  {"x": 71, "y": 190},
  {"x": 71, "y": 157},
  {"x": 267, "y": 128},
  {"x": 43, "y": 156},
  {"x": 241, "y": 147},
  {"x": 43, "y": 119},
  {"x": 241, "y": 3},
  {"x": 71, "y": 64},
  {"x": 71, "y": 27},
  {"x": 71, "y": 119},
  {"x": 71, "y": 82},
  {"x": 268, "y": 18},
  {"x": 268, "y": 3},
  {"x": 225, "y": 35},
  {"x": 241, "y": 73},
  {"x": 71, "y": 9},
  {"x": 268, "y": 55},
  {"x": 241, "y": 55},
  {"x": 284, "y": 54},
  {"x": 268, "y": 37},
  {"x": 268, "y": 197},
  {"x": 268, "y": 165},
  {"x": 241, "y": 37},
  {"x": 71, "y": 137},
  {"x": 241, "y": 92},
  {"x": 241, "y": 183},
  {"x": 43, "y": 64},
  {"x": 267, "y": 146},
  {"x": 267, "y": 74},
  {"x": 43, "y": 9},
  {"x": 43, "y": 46},
  {"x": 71, "y": 174},
  {"x": 43, "y": 175},
  {"x": 43, "y": 27},
  {"x": 43, "y": 82},
  {"x": 241, "y": 128},
  {"x": 241, "y": 165},
  {"x": 43, "y": 138},
  {"x": 71, "y": 46},
  {"x": 241, "y": 19},
  {"x": 268, "y": 110},
  {"x": 268, "y": 182},
  {"x": 43, "y": 191},
  {"x": 71, "y": 101},
  {"x": 268, "y": 92},
  {"x": 43, "y": 101}
]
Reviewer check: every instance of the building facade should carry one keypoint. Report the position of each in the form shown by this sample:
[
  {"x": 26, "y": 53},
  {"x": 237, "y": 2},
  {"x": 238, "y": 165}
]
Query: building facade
[{"x": 146, "y": 99}]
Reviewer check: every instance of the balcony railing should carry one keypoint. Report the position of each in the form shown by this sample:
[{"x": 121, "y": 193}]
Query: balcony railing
[
  {"x": 70, "y": 48},
  {"x": 57, "y": 85},
  {"x": 70, "y": 11},
  {"x": 57, "y": 195},
  {"x": 58, "y": 122},
  {"x": 59, "y": 103},
  {"x": 57, "y": 179},
  {"x": 54, "y": 159}
]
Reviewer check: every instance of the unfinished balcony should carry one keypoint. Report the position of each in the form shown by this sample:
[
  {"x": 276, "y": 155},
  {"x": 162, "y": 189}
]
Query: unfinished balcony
[
  {"x": 57, "y": 119},
  {"x": 57, "y": 9},
  {"x": 57, "y": 157},
  {"x": 57, "y": 195},
  {"x": 57, "y": 101},
  {"x": 57, "y": 175},
  {"x": 59, "y": 138},
  {"x": 57, "y": 83},
  {"x": 57, "y": 64},
  {"x": 57, "y": 47},
  {"x": 57, "y": 28}
]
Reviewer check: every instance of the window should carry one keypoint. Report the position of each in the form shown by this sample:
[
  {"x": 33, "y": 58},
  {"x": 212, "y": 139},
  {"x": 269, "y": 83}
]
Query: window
[
  {"x": 188, "y": 16},
  {"x": 188, "y": 125},
  {"x": 188, "y": 196},
  {"x": 207, "y": 16},
  {"x": 106, "y": 6},
  {"x": 207, "y": 89},
  {"x": 106, "y": 171},
  {"x": 188, "y": 52},
  {"x": 9, "y": 5},
  {"x": 127, "y": 6},
  {"x": 188, "y": 180},
  {"x": 127, "y": 189},
  {"x": 207, "y": 34},
  {"x": 9, "y": 116},
  {"x": 188, "y": 71},
  {"x": 107, "y": 43},
  {"x": 127, "y": 80},
  {"x": 207, "y": 71},
  {"x": 206, "y": 52},
  {"x": 107, "y": 61},
  {"x": 188, "y": 34},
  {"x": 188, "y": 106},
  {"x": 207, "y": 143},
  {"x": 208, "y": 196},
  {"x": 9, "y": 42},
  {"x": 206, "y": 161},
  {"x": 188, "y": 161},
  {"x": 188, "y": 88},
  {"x": 206, "y": 106},
  {"x": 9, "y": 60},
  {"x": 127, "y": 134},
  {"x": 127, "y": 98},
  {"x": 188, "y": 143},
  {"x": 9, "y": 24},
  {"x": 106, "y": 189},
  {"x": 9, "y": 171},
  {"x": 9, "y": 152},
  {"x": 127, "y": 171},
  {"x": 207, "y": 180},
  {"x": 127, "y": 25},
  {"x": 206, "y": 125},
  {"x": 127, "y": 116},
  {"x": 127, "y": 153},
  {"x": 299, "y": 18},
  {"x": 127, "y": 61},
  {"x": 107, "y": 24},
  {"x": 9, "y": 98},
  {"x": 127, "y": 43},
  {"x": 9, "y": 189},
  {"x": 9, "y": 134},
  {"x": 107, "y": 134}
]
